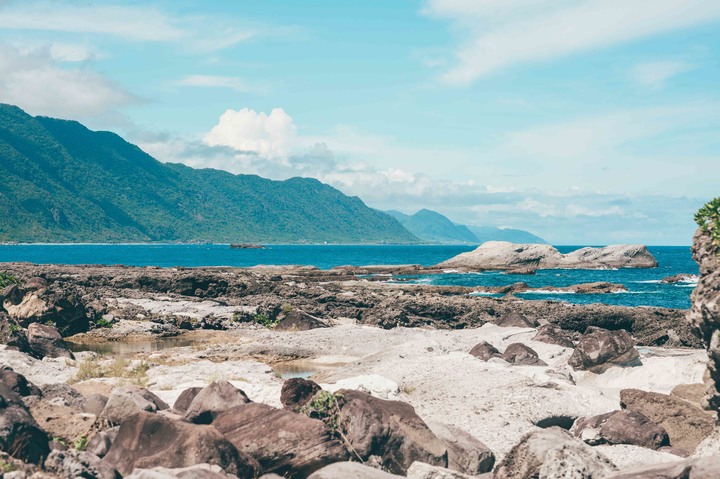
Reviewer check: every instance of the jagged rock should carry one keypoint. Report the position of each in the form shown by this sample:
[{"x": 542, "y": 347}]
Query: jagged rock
[
  {"x": 101, "y": 442},
  {"x": 182, "y": 403},
  {"x": 621, "y": 427},
  {"x": 20, "y": 435},
  {"x": 553, "y": 453},
  {"x": 147, "y": 440},
  {"x": 518, "y": 353},
  {"x": 62, "y": 394},
  {"x": 283, "y": 442},
  {"x": 351, "y": 470},
  {"x": 697, "y": 468},
  {"x": 12, "y": 334},
  {"x": 704, "y": 315},
  {"x": 552, "y": 334},
  {"x": 62, "y": 421},
  {"x": 127, "y": 400},
  {"x": 494, "y": 255},
  {"x": 686, "y": 425},
  {"x": 514, "y": 320},
  {"x": 94, "y": 404},
  {"x": 73, "y": 464},
  {"x": 214, "y": 399},
  {"x": 297, "y": 320},
  {"x": 485, "y": 351},
  {"x": 17, "y": 382},
  {"x": 466, "y": 454},
  {"x": 60, "y": 305},
  {"x": 599, "y": 349},
  {"x": 46, "y": 341},
  {"x": 390, "y": 430},
  {"x": 296, "y": 392},
  {"x": 680, "y": 278}
]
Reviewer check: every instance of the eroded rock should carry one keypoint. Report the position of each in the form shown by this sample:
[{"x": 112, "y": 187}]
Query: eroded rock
[
  {"x": 520, "y": 354},
  {"x": 213, "y": 400},
  {"x": 485, "y": 351},
  {"x": 125, "y": 401},
  {"x": 296, "y": 392},
  {"x": 600, "y": 349}
]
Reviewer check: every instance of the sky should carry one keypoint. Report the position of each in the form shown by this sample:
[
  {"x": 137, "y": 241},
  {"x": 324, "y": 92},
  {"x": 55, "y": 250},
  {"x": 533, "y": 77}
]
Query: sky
[{"x": 583, "y": 121}]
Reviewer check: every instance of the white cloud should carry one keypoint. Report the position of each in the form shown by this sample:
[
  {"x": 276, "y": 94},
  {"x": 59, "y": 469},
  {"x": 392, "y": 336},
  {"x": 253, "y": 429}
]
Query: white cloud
[
  {"x": 246, "y": 130},
  {"x": 656, "y": 74},
  {"x": 234, "y": 83},
  {"x": 72, "y": 52},
  {"x": 34, "y": 82},
  {"x": 499, "y": 34}
]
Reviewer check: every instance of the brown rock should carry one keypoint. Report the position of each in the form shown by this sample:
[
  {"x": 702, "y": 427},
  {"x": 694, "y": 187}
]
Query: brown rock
[
  {"x": 466, "y": 454},
  {"x": 46, "y": 341},
  {"x": 599, "y": 349},
  {"x": 296, "y": 392},
  {"x": 514, "y": 320},
  {"x": 484, "y": 350},
  {"x": 552, "y": 334},
  {"x": 697, "y": 468},
  {"x": 283, "y": 442},
  {"x": 621, "y": 427},
  {"x": 79, "y": 464},
  {"x": 12, "y": 334},
  {"x": 299, "y": 321},
  {"x": 62, "y": 421},
  {"x": 694, "y": 393},
  {"x": 686, "y": 425},
  {"x": 18, "y": 383},
  {"x": 148, "y": 440},
  {"x": 518, "y": 353},
  {"x": 351, "y": 470},
  {"x": 20, "y": 436},
  {"x": 182, "y": 403},
  {"x": 125, "y": 401},
  {"x": 214, "y": 399},
  {"x": 390, "y": 430}
]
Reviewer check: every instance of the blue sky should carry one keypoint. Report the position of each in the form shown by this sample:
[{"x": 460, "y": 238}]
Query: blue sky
[{"x": 583, "y": 121}]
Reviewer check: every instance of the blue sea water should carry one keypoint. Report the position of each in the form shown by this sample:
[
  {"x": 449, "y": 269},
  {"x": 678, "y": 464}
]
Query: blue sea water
[{"x": 644, "y": 287}]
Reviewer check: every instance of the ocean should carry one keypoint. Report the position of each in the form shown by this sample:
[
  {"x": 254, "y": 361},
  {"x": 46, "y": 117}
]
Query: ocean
[{"x": 644, "y": 286}]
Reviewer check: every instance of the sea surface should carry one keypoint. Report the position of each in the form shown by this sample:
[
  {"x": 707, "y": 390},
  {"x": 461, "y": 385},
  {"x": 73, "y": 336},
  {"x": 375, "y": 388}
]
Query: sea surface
[{"x": 644, "y": 286}]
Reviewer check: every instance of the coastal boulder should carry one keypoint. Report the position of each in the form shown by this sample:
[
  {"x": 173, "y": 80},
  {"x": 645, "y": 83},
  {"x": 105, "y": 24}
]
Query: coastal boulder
[
  {"x": 350, "y": 470},
  {"x": 182, "y": 403},
  {"x": 621, "y": 427},
  {"x": 61, "y": 421},
  {"x": 550, "y": 453},
  {"x": 12, "y": 334},
  {"x": 297, "y": 320},
  {"x": 214, "y": 399},
  {"x": 552, "y": 334},
  {"x": 125, "y": 401},
  {"x": 485, "y": 351},
  {"x": 79, "y": 464},
  {"x": 283, "y": 442},
  {"x": 518, "y": 353},
  {"x": 466, "y": 454},
  {"x": 147, "y": 440},
  {"x": 514, "y": 320},
  {"x": 600, "y": 349},
  {"x": 59, "y": 305},
  {"x": 686, "y": 425},
  {"x": 296, "y": 392},
  {"x": 101, "y": 442},
  {"x": 46, "y": 342},
  {"x": 18, "y": 383},
  {"x": 390, "y": 430},
  {"x": 20, "y": 435},
  {"x": 696, "y": 468}
]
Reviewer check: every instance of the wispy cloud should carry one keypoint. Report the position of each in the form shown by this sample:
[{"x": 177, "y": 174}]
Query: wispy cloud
[
  {"x": 656, "y": 74},
  {"x": 497, "y": 34},
  {"x": 212, "y": 81}
]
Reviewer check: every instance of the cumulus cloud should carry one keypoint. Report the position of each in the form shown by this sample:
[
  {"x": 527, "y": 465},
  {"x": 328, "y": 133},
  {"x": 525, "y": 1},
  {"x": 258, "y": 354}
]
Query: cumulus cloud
[
  {"x": 35, "y": 82},
  {"x": 656, "y": 74},
  {"x": 498, "y": 34}
]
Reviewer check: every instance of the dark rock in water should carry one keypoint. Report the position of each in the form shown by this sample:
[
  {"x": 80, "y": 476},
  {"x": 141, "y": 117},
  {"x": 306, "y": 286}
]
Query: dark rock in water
[
  {"x": 679, "y": 278},
  {"x": 101, "y": 442},
  {"x": 46, "y": 341},
  {"x": 299, "y": 321},
  {"x": 125, "y": 401},
  {"x": 518, "y": 353},
  {"x": 514, "y": 320},
  {"x": 686, "y": 425},
  {"x": 552, "y": 334},
  {"x": 182, "y": 403},
  {"x": 147, "y": 440},
  {"x": 696, "y": 468},
  {"x": 18, "y": 383},
  {"x": 552, "y": 453},
  {"x": 518, "y": 287},
  {"x": 296, "y": 392},
  {"x": 484, "y": 350},
  {"x": 214, "y": 399},
  {"x": 621, "y": 427},
  {"x": 20, "y": 435},
  {"x": 390, "y": 430},
  {"x": 79, "y": 464},
  {"x": 600, "y": 349},
  {"x": 466, "y": 454},
  {"x": 283, "y": 442}
]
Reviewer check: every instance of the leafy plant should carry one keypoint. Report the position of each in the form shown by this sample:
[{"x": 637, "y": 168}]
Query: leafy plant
[
  {"x": 81, "y": 444},
  {"x": 324, "y": 406},
  {"x": 15, "y": 328},
  {"x": 6, "y": 466},
  {"x": 264, "y": 320},
  {"x": 103, "y": 323},
  {"x": 708, "y": 218},
  {"x": 6, "y": 279}
]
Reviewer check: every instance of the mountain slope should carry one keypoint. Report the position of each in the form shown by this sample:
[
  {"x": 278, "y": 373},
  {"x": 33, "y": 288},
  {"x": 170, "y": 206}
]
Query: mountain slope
[
  {"x": 434, "y": 227},
  {"x": 63, "y": 182},
  {"x": 493, "y": 233}
]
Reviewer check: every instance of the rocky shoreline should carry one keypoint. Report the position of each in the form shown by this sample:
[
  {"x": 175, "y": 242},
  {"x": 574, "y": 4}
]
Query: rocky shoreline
[{"x": 404, "y": 380}]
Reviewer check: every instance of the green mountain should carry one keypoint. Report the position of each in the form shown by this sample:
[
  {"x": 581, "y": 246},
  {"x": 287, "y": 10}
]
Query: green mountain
[
  {"x": 433, "y": 227},
  {"x": 64, "y": 183},
  {"x": 493, "y": 233}
]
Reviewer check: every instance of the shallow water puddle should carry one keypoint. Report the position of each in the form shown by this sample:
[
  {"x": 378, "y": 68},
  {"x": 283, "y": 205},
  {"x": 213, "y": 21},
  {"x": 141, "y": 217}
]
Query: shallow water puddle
[{"x": 133, "y": 347}]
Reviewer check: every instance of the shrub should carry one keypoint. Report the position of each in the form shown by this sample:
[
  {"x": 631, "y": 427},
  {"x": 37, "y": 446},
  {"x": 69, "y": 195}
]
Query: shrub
[
  {"x": 6, "y": 279},
  {"x": 708, "y": 219},
  {"x": 81, "y": 444},
  {"x": 264, "y": 320}
]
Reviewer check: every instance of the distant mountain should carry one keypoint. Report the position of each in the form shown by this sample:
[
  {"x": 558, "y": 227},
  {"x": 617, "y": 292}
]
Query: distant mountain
[
  {"x": 433, "y": 227},
  {"x": 64, "y": 183},
  {"x": 492, "y": 233}
]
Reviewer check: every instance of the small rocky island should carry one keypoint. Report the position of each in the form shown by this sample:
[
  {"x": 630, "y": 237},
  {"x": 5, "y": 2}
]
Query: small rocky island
[
  {"x": 296, "y": 372},
  {"x": 501, "y": 255}
]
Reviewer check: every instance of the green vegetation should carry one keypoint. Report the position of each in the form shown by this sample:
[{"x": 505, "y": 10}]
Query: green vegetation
[
  {"x": 325, "y": 406},
  {"x": 81, "y": 444},
  {"x": 15, "y": 328},
  {"x": 65, "y": 183},
  {"x": 6, "y": 279},
  {"x": 103, "y": 323},
  {"x": 708, "y": 218},
  {"x": 264, "y": 320},
  {"x": 6, "y": 466},
  {"x": 120, "y": 367}
]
